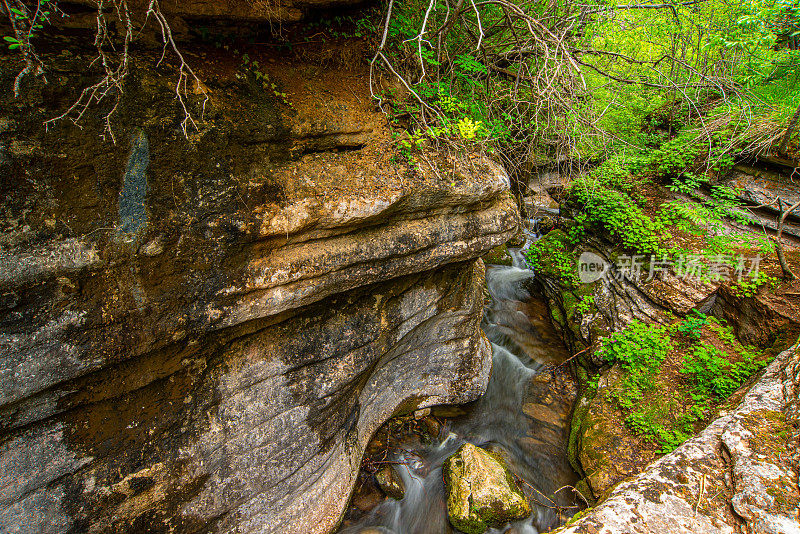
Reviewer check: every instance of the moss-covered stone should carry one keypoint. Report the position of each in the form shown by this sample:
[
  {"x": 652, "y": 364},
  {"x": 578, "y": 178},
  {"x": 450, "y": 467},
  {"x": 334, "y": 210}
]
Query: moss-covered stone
[
  {"x": 552, "y": 257},
  {"x": 481, "y": 492},
  {"x": 498, "y": 256}
]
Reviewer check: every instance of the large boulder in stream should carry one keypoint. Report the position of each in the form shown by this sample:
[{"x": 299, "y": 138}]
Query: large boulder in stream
[
  {"x": 481, "y": 491},
  {"x": 202, "y": 334}
]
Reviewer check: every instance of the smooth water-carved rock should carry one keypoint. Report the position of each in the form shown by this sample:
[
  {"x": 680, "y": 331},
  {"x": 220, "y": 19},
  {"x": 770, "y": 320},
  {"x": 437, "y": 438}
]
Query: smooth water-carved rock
[{"x": 481, "y": 492}]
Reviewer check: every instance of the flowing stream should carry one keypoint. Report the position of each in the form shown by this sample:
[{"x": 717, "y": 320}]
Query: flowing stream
[{"x": 523, "y": 416}]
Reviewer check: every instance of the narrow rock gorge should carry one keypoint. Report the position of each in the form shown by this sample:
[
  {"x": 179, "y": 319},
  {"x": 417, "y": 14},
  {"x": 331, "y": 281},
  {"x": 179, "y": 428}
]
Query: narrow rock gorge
[{"x": 399, "y": 267}]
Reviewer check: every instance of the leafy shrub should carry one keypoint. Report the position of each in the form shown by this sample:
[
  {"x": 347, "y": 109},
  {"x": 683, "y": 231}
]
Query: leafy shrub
[
  {"x": 639, "y": 350},
  {"x": 710, "y": 371},
  {"x": 605, "y": 198},
  {"x": 586, "y": 305},
  {"x": 692, "y": 326},
  {"x": 639, "y": 345},
  {"x": 644, "y": 423},
  {"x": 674, "y": 157},
  {"x": 552, "y": 256},
  {"x": 749, "y": 285}
]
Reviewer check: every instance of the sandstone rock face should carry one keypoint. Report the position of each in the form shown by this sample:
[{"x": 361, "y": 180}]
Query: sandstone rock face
[
  {"x": 740, "y": 463},
  {"x": 202, "y": 335},
  {"x": 481, "y": 491}
]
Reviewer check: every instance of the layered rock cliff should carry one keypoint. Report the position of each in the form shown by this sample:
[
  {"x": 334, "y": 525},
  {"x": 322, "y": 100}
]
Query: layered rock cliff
[{"x": 202, "y": 334}]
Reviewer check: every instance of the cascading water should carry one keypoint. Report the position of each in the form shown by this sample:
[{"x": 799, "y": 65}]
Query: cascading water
[{"x": 521, "y": 416}]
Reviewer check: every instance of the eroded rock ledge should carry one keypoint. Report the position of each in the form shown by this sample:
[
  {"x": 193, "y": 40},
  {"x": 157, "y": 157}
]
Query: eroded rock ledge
[
  {"x": 737, "y": 475},
  {"x": 202, "y": 335}
]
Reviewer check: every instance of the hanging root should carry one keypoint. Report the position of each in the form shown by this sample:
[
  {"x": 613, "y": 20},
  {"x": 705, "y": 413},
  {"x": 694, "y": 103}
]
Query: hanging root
[{"x": 111, "y": 54}]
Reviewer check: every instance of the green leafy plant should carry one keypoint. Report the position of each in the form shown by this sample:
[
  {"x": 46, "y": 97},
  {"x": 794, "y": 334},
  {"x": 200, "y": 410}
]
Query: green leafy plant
[
  {"x": 692, "y": 326},
  {"x": 28, "y": 23},
  {"x": 638, "y": 346},
  {"x": 639, "y": 350},
  {"x": 410, "y": 142},
  {"x": 586, "y": 305},
  {"x": 711, "y": 372},
  {"x": 618, "y": 213},
  {"x": 748, "y": 286},
  {"x": 645, "y": 423},
  {"x": 552, "y": 256}
]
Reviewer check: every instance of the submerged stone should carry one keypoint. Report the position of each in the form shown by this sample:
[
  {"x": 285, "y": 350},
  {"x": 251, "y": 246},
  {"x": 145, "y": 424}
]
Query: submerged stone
[
  {"x": 481, "y": 492},
  {"x": 390, "y": 482}
]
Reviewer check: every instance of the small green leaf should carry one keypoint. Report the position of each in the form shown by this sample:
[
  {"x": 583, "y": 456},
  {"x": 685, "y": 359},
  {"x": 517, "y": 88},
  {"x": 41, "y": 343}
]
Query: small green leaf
[
  {"x": 10, "y": 39},
  {"x": 13, "y": 46}
]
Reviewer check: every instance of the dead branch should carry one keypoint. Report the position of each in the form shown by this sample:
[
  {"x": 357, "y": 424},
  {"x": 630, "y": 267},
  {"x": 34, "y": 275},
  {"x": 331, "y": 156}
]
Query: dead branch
[{"x": 787, "y": 271}]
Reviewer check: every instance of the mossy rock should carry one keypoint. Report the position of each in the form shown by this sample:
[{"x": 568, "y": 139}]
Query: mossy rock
[
  {"x": 498, "y": 256},
  {"x": 390, "y": 482},
  {"x": 481, "y": 492},
  {"x": 552, "y": 257}
]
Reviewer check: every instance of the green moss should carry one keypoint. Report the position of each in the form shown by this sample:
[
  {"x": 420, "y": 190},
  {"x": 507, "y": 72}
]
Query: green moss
[
  {"x": 498, "y": 256},
  {"x": 581, "y": 486},
  {"x": 587, "y": 392},
  {"x": 471, "y": 464},
  {"x": 556, "y": 315}
]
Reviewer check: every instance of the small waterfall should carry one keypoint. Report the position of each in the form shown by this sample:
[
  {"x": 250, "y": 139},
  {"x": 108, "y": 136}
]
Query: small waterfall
[{"x": 521, "y": 352}]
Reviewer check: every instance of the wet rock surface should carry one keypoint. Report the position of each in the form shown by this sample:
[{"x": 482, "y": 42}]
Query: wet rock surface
[
  {"x": 481, "y": 491},
  {"x": 391, "y": 483},
  {"x": 202, "y": 334}
]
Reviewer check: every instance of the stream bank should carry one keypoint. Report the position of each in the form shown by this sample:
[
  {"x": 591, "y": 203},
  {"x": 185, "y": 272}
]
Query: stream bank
[{"x": 640, "y": 473}]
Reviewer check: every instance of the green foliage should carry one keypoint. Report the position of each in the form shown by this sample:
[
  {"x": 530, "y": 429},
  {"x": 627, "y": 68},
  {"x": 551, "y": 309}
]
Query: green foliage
[
  {"x": 748, "y": 286},
  {"x": 673, "y": 158},
  {"x": 651, "y": 425},
  {"x": 692, "y": 326},
  {"x": 710, "y": 371},
  {"x": 654, "y": 407},
  {"x": 552, "y": 256},
  {"x": 586, "y": 305},
  {"x": 640, "y": 347},
  {"x": 30, "y": 22},
  {"x": 605, "y": 199},
  {"x": 410, "y": 142},
  {"x": 252, "y": 70},
  {"x": 639, "y": 350}
]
